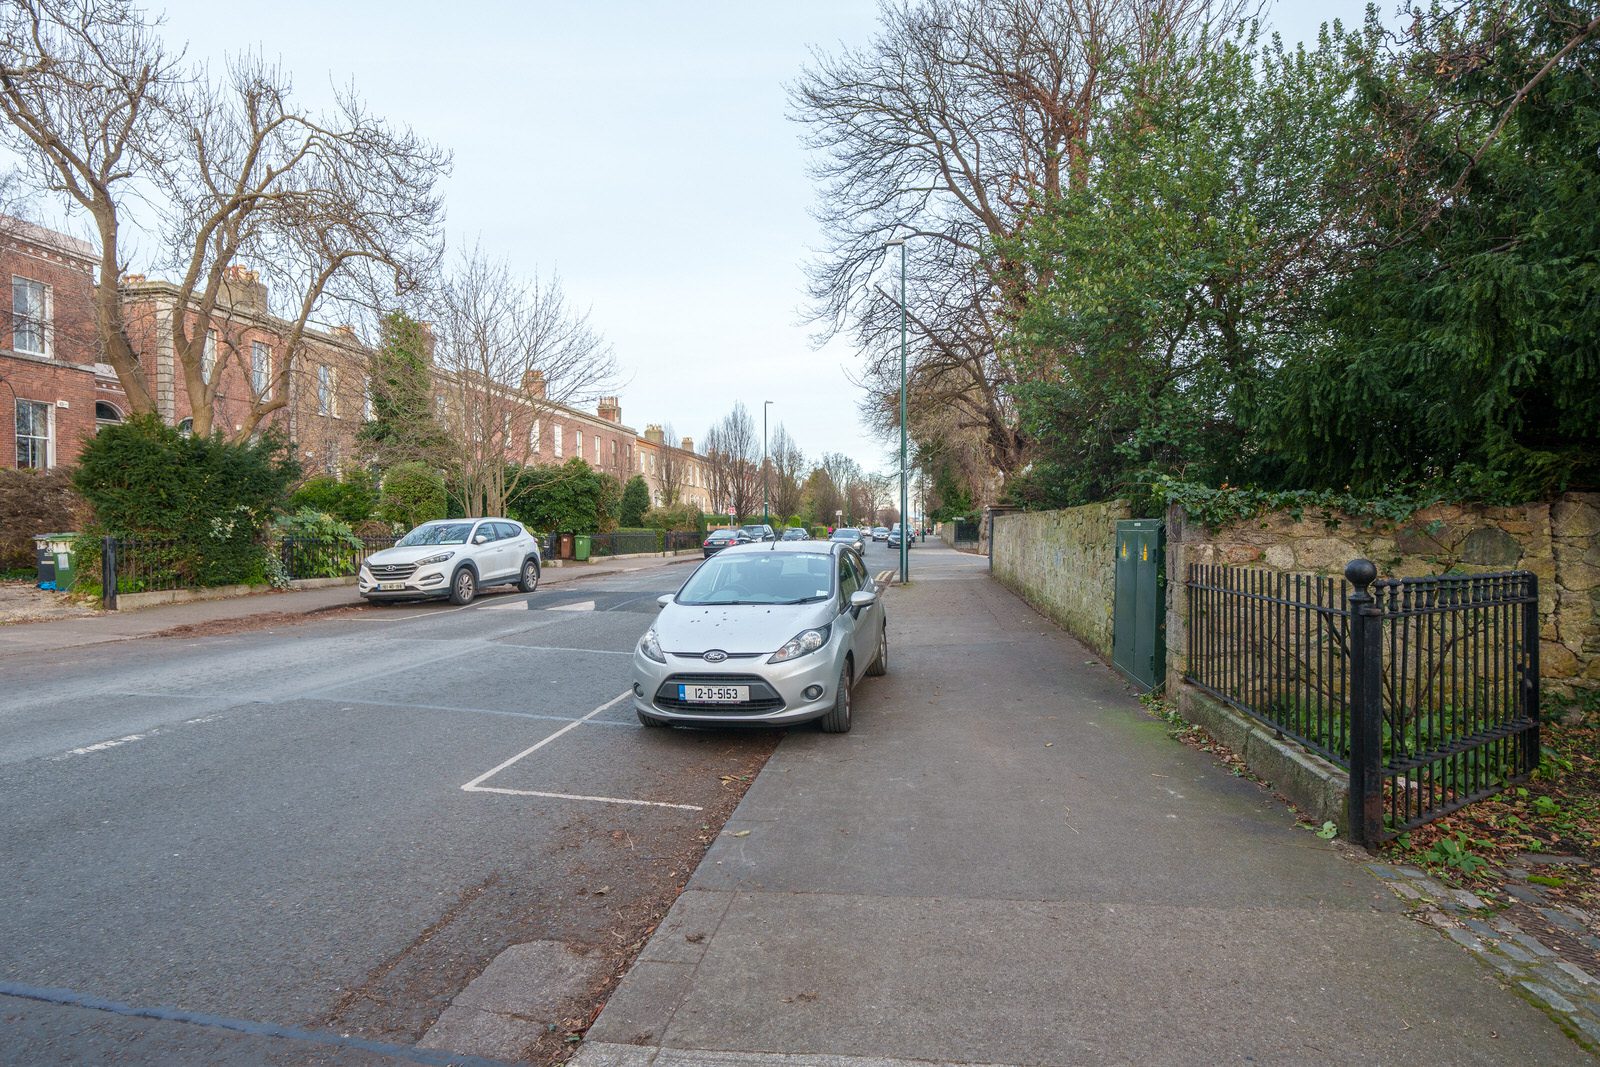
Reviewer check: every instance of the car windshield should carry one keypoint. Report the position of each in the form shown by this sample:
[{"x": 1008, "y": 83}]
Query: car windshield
[
  {"x": 755, "y": 531},
  {"x": 846, "y": 535},
  {"x": 436, "y": 533},
  {"x": 760, "y": 578}
]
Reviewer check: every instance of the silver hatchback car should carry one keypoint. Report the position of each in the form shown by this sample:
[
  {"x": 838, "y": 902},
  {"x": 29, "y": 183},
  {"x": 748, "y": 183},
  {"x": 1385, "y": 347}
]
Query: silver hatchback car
[{"x": 767, "y": 634}]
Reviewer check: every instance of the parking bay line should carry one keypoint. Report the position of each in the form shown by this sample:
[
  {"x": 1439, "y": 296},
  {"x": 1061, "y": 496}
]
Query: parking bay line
[{"x": 477, "y": 786}]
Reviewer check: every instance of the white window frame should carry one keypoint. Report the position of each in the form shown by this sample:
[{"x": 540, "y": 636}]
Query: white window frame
[
  {"x": 533, "y": 437},
  {"x": 45, "y": 325},
  {"x": 558, "y": 440},
  {"x": 261, "y": 369},
  {"x": 49, "y": 437},
  {"x": 577, "y": 443},
  {"x": 208, "y": 357},
  {"x": 368, "y": 409},
  {"x": 326, "y": 404}
]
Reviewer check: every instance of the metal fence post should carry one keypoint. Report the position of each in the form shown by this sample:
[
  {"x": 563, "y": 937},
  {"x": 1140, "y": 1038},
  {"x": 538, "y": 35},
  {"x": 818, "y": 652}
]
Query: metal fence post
[
  {"x": 108, "y": 573},
  {"x": 1532, "y": 745},
  {"x": 1366, "y": 706}
]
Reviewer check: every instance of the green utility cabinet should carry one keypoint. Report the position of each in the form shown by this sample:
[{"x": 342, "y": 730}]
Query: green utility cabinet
[
  {"x": 1139, "y": 611},
  {"x": 54, "y": 553}
]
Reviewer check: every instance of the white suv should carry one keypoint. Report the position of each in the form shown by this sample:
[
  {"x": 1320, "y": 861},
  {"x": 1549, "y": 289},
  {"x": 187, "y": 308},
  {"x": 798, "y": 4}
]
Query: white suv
[{"x": 452, "y": 558}]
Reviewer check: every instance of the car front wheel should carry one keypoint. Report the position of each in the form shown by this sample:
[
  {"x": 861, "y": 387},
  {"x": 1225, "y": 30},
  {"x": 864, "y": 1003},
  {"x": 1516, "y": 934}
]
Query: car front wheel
[
  {"x": 530, "y": 576},
  {"x": 464, "y": 587},
  {"x": 837, "y": 720}
]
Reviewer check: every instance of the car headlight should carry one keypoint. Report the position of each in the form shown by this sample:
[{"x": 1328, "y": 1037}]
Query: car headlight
[
  {"x": 651, "y": 647},
  {"x": 802, "y": 643},
  {"x": 440, "y": 558}
]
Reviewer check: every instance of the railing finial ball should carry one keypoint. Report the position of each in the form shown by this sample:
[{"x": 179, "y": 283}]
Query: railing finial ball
[{"x": 1361, "y": 573}]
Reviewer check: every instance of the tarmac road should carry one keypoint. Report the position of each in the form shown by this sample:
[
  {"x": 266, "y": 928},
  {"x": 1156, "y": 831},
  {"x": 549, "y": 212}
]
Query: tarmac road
[{"x": 258, "y": 845}]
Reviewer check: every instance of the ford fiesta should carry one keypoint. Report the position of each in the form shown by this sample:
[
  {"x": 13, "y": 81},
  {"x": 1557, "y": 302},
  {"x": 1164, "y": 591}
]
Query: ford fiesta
[
  {"x": 769, "y": 634},
  {"x": 452, "y": 558}
]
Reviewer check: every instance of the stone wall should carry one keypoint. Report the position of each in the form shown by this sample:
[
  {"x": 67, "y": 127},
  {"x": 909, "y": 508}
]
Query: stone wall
[
  {"x": 1064, "y": 564},
  {"x": 1559, "y": 541}
]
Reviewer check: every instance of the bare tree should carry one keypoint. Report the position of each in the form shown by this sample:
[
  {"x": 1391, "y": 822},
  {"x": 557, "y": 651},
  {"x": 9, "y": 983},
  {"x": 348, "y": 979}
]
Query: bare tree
[
  {"x": 507, "y": 350},
  {"x": 718, "y": 469},
  {"x": 325, "y": 207},
  {"x": 83, "y": 91},
  {"x": 741, "y": 448},
  {"x": 951, "y": 129},
  {"x": 321, "y": 205},
  {"x": 787, "y": 464},
  {"x": 672, "y": 469}
]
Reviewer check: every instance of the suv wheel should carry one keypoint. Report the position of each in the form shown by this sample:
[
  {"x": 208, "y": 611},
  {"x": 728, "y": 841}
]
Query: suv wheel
[
  {"x": 464, "y": 586},
  {"x": 530, "y": 576},
  {"x": 837, "y": 721}
]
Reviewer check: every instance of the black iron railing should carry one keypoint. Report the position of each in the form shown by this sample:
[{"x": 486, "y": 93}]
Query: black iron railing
[
  {"x": 145, "y": 565},
  {"x": 328, "y": 557},
  {"x": 1425, "y": 690},
  {"x": 682, "y": 540},
  {"x": 625, "y": 542}
]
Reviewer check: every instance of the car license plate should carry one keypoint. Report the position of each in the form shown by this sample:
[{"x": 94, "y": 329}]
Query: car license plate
[
  {"x": 391, "y": 586},
  {"x": 713, "y": 694}
]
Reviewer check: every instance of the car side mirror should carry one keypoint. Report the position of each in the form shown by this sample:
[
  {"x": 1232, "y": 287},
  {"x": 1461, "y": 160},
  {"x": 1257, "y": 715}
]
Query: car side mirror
[
  {"x": 862, "y": 598},
  {"x": 480, "y": 539},
  {"x": 663, "y": 601}
]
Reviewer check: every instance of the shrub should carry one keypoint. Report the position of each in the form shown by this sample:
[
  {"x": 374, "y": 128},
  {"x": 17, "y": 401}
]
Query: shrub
[
  {"x": 324, "y": 547},
  {"x": 35, "y": 502},
  {"x": 564, "y": 499},
  {"x": 635, "y": 502},
  {"x": 677, "y": 517},
  {"x": 212, "y": 496},
  {"x": 413, "y": 493},
  {"x": 351, "y": 499}
]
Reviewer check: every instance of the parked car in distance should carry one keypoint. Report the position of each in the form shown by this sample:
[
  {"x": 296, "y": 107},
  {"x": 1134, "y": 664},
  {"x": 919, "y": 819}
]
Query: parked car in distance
[
  {"x": 851, "y": 536},
  {"x": 795, "y": 533},
  {"x": 765, "y": 635},
  {"x": 896, "y": 532},
  {"x": 759, "y": 531},
  {"x": 718, "y": 540},
  {"x": 452, "y": 558},
  {"x": 880, "y": 533}
]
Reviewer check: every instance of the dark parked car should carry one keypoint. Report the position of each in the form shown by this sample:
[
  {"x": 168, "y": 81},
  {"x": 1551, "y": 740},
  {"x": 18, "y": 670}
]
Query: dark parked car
[
  {"x": 855, "y": 538},
  {"x": 721, "y": 539},
  {"x": 895, "y": 534},
  {"x": 795, "y": 533},
  {"x": 760, "y": 531}
]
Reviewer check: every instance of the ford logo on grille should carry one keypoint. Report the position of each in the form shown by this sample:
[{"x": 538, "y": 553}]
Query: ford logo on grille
[{"x": 716, "y": 655}]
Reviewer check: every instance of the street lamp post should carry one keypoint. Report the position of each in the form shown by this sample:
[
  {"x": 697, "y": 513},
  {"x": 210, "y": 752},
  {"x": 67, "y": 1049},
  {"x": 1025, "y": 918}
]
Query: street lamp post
[
  {"x": 766, "y": 482},
  {"x": 905, "y": 538}
]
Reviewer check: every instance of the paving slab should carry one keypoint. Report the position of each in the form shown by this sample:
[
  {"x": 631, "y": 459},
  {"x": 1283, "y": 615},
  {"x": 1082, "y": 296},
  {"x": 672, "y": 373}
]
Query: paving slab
[{"x": 1007, "y": 861}]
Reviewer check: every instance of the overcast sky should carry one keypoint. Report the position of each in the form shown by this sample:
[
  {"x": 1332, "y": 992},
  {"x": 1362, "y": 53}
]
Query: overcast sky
[{"x": 642, "y": 149}]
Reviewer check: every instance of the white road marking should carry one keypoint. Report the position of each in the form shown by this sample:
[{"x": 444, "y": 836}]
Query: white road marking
[
  {"x": 576, "y": 796},
  {"x": 477, "y": 786},
  {"x": 582, "y": 605},
  {"x": 103, "y": 745}
]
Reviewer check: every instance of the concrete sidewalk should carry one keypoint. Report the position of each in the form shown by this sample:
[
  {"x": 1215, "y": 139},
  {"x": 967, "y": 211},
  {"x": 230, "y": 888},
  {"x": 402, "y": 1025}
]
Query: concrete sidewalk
[
  {"x": 1008, "y": 862},
  {"x": 106, "y": 626}
]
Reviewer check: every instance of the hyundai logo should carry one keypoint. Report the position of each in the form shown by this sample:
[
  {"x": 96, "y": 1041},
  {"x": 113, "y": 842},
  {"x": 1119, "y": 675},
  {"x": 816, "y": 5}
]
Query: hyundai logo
[{"x": 716, "y": 655}]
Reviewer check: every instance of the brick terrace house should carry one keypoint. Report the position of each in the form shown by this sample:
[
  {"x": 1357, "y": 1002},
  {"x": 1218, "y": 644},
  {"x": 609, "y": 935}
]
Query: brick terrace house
[
  {"x": 655, "y": 456},
  {"x": 61, "y": 393},
  {"x": 51, "y": 378},
  {"x": 245, "y": 347}
]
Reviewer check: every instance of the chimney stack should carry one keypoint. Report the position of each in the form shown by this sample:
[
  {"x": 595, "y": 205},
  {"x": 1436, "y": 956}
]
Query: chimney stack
[
  {"x": 533, "y": 384},
  {"x": 653, "y": 434},
  {"x": 610, "y": 409},
  {"x": 688, "y": 444},
  {"x": 243, "y": 288}
]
